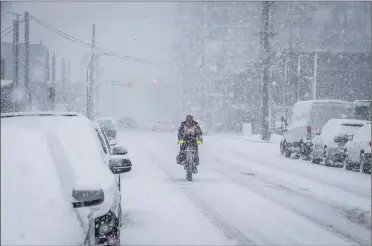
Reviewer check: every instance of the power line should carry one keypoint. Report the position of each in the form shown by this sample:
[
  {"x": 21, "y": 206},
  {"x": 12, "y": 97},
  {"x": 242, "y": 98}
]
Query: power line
[
  {"x": 6, "y": 29},
  {"x": 11, "y": 29},
  {"x": 78, "y": 41},
  {"x": 74, "y": 18}
]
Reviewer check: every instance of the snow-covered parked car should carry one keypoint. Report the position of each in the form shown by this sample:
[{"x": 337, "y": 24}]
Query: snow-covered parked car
[
  {"x": 329, "y": 144},
  {"x": 108, "y": 126},
  {"x": 35, "y": 210},
  {"x": 358, "y": 150},
  {"x": 76, "y": 156},
  {"x": 306, "y": 119}
]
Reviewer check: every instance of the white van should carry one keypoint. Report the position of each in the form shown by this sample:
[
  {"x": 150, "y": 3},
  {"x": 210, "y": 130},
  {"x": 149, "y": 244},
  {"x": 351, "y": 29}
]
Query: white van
[{"x": 308, "y": 117}]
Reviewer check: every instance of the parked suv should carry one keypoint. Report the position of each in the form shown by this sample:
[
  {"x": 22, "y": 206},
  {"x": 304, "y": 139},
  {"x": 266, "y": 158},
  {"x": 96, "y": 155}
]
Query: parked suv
[
  {"x": 328, "y": 146},
  {"x": 358, "y": 150},
  {"x": 108, "y": 125}
]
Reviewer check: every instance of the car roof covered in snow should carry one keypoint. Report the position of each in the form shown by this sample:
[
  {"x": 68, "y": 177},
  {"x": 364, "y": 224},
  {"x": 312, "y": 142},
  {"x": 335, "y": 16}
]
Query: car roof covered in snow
[
  {"x": 39, "y": 113},
  {"x": 73, "y": 143},
  {"x": 347, "y": 121},
  {"x": 307, "y": 105},
  {"x": 32, "y": 194}
]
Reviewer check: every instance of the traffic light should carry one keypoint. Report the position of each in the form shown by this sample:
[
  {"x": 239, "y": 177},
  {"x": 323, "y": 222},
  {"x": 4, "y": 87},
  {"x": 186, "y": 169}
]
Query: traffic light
[{"x": 154, "y": 82}]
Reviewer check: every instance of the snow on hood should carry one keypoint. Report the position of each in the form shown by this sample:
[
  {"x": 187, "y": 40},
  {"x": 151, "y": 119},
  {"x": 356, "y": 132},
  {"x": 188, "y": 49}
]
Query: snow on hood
[
  {"x": 75, "y": 142},
  {"x": 32, "y": 199},
  {"x": 335, "y": 127}
]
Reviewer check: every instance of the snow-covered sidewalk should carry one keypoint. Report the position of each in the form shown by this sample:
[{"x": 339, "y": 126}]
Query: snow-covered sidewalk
[{"x": 275, "y": 138}]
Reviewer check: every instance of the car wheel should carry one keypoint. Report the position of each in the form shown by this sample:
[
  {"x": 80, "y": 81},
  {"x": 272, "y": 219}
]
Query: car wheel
[
  {"x": 287, "y": 153},
  {"x": 281, "y": 148},
  {"x": 346, "y": 161}
]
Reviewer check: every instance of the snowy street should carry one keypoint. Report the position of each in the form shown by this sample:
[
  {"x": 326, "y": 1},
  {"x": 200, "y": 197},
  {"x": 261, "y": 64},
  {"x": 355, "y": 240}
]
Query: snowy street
[{"x": 245, "y": 193}]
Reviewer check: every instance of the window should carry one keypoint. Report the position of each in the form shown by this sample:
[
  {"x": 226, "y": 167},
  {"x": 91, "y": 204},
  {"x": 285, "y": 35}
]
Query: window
[
  {"x": 106, "y": 141},
  {"x": 102, "y": 142}
]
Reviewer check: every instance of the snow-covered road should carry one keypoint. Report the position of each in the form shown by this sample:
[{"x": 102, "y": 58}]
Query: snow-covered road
[{"x": 245, "y": 193}]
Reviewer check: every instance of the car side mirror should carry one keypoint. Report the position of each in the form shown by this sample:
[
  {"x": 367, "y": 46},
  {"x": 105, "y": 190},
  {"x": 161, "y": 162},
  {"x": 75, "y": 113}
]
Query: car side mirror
[
  {"x": 118, "y": 150},
  {"x": 120, "y": 165},
  {"x": 112, "y": 141},
  {"x": 86, "y": 197}
]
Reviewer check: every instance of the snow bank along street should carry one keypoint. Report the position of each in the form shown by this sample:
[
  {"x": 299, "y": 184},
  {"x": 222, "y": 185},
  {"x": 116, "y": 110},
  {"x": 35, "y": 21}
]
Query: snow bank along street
[{"x": 245, "y": 193}]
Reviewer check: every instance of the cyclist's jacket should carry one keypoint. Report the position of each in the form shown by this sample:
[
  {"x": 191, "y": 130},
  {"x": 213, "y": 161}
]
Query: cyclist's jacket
[{"x": 189, "y": 132}]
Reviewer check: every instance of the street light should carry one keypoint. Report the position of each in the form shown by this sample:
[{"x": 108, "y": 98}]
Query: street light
[
  {"x": 95, "y": 89},
  {"x": 298, "y": 75},
  {"x": 89, "y": 100},
  {"x": 94, "y": 58},
  {"x": 285, "y": 87}
]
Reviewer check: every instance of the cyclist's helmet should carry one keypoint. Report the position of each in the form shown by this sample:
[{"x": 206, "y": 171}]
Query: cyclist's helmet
[{"x": 189, "y": 118}]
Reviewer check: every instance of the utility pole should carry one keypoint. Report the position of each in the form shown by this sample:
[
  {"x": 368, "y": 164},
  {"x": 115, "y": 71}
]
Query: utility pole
[
  {"x": 313, "y": 89},
  {"x": 15, "y": 61},
  {"x": 298, "y": 76},
  {"x": 97, "y": 103},
  {"x": 63, "y": 80},
  {"x": 91, "y": 82},
  {"x": 2, "y": 69},
  {"x": 265, "y": 34},
  {"x": 52, "y": 92},
  {"x": 27, "y": 59},
  {"x": 68, "y": 78},
  {"x": 47, "y": 79}
]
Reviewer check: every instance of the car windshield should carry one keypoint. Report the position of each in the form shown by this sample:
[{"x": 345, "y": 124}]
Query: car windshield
[{"x": 107, "y": 125}]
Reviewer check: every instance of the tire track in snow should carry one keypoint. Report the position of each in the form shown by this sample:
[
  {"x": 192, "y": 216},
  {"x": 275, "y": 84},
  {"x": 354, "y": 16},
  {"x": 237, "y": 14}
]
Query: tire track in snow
[
  {"x": 231, "y": 232},
  {"x": 216, "y": 218},
  {"x": 353, "y": 215},
  {"x": 243, "y": 156},
  {"x": 275, "y": 197}
]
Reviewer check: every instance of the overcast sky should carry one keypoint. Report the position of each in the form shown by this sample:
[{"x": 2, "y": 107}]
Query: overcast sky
[{"x": 141, "y": 30}]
